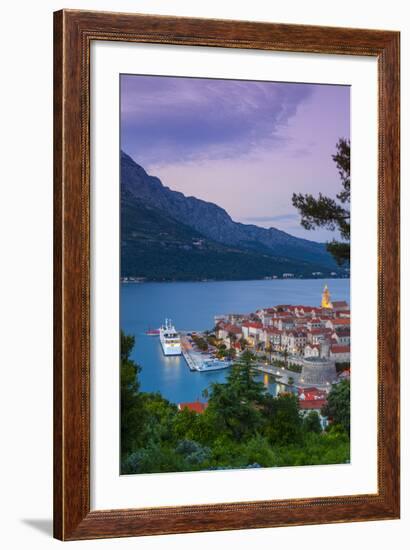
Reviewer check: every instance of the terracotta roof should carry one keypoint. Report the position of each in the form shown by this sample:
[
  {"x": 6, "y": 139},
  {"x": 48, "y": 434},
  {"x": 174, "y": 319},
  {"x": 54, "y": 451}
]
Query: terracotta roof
[
  {"x": 313, "y": 404},
  {"x": 273, "y": 330},
  {"x": 341, "y": 321},
  {"x": 311, "y": 394},
  {"x": 195, "y": 406},
  {"x": 339, "y": 349},
  {"x": 228, "y": 327},
  {"x": 341, "y": 303},
  {"x": 319, "y": 331},
  {"x": 310, "y": 389}
]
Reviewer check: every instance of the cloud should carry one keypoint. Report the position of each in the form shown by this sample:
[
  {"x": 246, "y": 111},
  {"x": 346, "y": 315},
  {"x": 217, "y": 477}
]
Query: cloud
[{"x": 167, "y": 119}]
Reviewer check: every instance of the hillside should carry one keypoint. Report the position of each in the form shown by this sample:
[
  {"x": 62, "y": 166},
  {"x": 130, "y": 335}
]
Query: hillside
[
  {"x": 157, "y": 247},
  {"x": 168, "y": 236},
  {"x": 214, "y": 222}
]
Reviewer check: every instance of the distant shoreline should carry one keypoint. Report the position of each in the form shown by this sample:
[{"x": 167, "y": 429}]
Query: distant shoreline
[{"x": 139, "y": 282}]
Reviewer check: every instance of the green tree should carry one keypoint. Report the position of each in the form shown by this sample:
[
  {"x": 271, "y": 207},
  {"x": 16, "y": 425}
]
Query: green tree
[
  {"x": 236, "y": 405},
  {"x": 243, "y": 426},
  {"x": 132, "y": 407},
  {"x": 311, "y": 422},
  {"x": 160, "y": 417},
  {"x": 200, "y": 342},
  {"x": 258, "y": 451},
  {"x": 221, "y": 353},
  {"x": 241, "y": 377},
  {"x": 154, "y": 459},
  {"x": 185, "y": 425},
  {"x": 126, "y": 346},
  {"x": 333, "y": 214},
  {"x": 284, "y": 424},
  {"x": 338, "y": 405},
  {"x": 194, "y": 453}
]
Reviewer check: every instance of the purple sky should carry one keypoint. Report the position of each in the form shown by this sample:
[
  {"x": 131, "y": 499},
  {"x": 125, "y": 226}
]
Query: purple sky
[{"x": 245, "y": 145}]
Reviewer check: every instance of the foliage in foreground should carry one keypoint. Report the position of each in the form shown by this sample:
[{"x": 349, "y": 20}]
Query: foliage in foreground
[
  {"x": 243, "y": 426},
  {"x": 338, "y": 405}
]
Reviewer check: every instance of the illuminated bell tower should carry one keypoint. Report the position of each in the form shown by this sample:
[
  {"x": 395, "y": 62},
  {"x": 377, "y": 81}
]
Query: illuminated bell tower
[{"x": 326, "y": 303}]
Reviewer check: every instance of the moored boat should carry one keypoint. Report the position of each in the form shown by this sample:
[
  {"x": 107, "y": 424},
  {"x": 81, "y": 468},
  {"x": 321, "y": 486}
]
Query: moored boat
[
  {"x": 213, "y": 364},
  {"x": 170, "y": 339}
]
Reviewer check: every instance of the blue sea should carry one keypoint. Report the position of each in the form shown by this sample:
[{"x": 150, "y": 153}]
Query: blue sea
[{"x": 192, "y": 306}]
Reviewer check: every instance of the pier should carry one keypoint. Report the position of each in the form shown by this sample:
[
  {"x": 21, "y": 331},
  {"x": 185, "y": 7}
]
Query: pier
[
  {"x": 192, "y": 364},
  {"x": 188, "y": 353},
  {"x": 196, "y": 359}
]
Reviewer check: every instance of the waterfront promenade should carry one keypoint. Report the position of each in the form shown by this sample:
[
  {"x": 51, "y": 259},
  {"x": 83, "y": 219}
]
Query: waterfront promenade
[
  {"x": 283, "y": 375},
  {"x": 192, "y": 358},
  {"x": 195, "y": 361}
]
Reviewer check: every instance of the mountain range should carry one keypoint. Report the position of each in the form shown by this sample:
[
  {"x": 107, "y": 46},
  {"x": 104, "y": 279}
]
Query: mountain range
[{"x": 166, "y": 235}]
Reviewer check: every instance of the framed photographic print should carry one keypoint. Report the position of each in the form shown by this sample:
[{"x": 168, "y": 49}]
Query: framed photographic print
[{"x": 226, "y": 275}]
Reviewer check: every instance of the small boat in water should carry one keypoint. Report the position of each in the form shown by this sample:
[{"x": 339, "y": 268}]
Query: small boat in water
[
  {"x": 213, "y": 364},
  {"x": 152, "y": 332}
]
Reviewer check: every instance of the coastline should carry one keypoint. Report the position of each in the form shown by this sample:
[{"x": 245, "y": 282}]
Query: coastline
[
  {"x": 192, "y": 306},
  {"x": 148, "y": 281}
]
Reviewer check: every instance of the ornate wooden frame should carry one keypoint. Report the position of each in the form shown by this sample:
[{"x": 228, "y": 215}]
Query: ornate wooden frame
[{"x": 73, "y": 33}]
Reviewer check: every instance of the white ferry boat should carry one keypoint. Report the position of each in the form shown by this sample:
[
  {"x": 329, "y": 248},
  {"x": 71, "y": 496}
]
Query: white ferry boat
[{"x": 170, "y": 339}]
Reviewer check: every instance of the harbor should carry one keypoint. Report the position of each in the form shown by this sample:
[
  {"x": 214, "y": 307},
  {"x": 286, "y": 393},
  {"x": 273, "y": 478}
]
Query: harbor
[
  {"x": 205, "y": 361},
  {"x": 175, "y": 343},
  {"x": 192, "y": 307}
]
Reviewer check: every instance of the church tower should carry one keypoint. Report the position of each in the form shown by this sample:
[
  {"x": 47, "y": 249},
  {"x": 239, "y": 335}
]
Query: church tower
[{"x": 326, "y": 303}]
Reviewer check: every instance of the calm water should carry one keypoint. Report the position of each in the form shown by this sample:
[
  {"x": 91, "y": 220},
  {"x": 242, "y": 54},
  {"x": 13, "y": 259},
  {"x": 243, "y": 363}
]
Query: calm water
[{"x": 192, "y": 306}]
